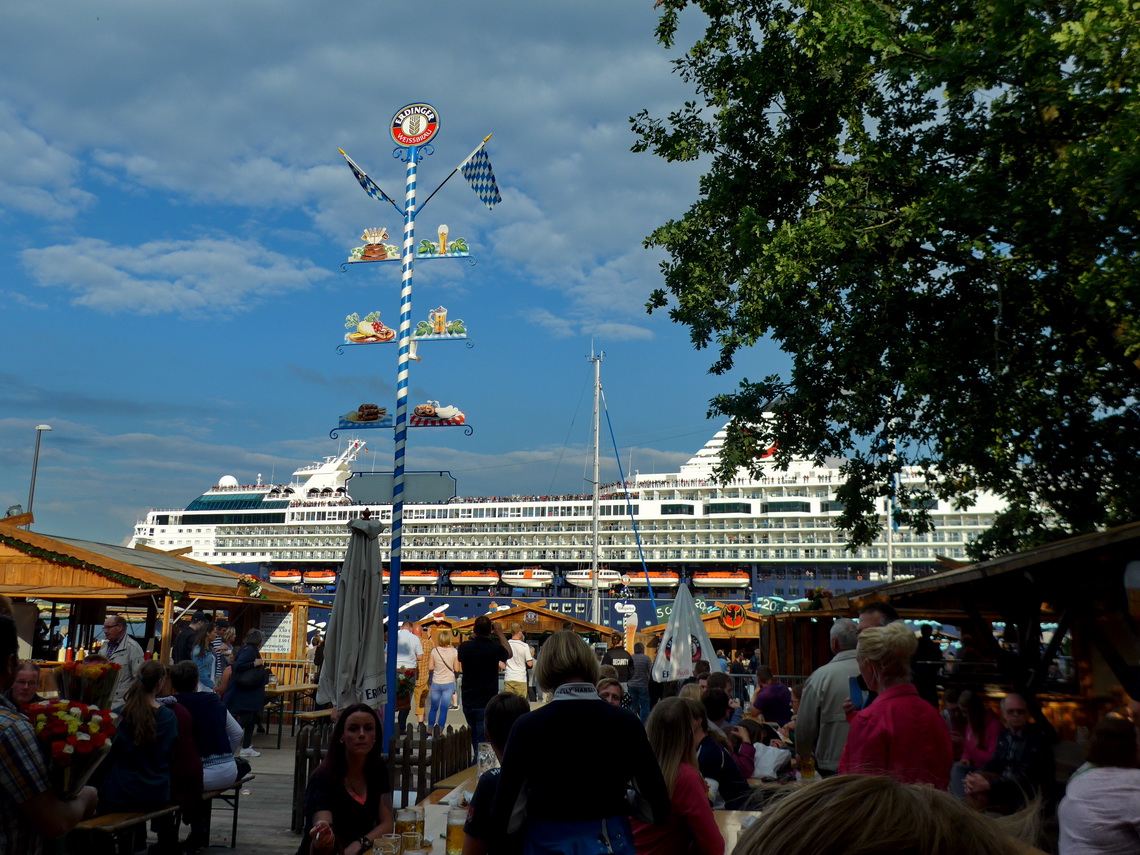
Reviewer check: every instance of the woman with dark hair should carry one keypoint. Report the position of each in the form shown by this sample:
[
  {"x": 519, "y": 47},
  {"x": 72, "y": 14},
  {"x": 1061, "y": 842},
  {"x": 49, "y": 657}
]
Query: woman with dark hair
[
  {"x": 348, "y": 803},
  {"x": 1101, "y": 809},
  {"x": 597, "y": 750},
  {"x": 245, "y": 695},
  {"x": 137, "y": 772},
  {"x": 983, "y": 728}
]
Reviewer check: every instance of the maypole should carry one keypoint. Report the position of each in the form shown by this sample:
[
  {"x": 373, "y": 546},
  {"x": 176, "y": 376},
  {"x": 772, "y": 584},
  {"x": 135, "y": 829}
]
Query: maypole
[
  {"x": 412, "y": 128},
  {"x": 408, "y": 266}
]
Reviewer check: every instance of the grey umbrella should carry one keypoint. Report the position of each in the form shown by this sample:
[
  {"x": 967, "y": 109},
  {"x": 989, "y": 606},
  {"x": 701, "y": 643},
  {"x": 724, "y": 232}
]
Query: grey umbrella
[{"x": 353, "y": 671}]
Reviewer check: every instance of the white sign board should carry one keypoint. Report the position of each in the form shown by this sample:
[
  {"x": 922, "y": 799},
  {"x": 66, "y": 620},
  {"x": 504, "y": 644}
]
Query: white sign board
[{"x": 278, "y": 629}]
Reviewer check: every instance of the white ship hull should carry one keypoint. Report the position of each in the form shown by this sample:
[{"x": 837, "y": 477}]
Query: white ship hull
[{"x": 779, "y": 528}]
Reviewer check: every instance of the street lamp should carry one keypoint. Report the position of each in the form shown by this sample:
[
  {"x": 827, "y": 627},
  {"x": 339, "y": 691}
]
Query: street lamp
[{"x": 35, "y": 463}]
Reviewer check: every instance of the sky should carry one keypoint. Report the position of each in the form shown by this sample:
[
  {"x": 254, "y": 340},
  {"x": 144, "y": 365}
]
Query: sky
[{"x": 176, "y": 213}]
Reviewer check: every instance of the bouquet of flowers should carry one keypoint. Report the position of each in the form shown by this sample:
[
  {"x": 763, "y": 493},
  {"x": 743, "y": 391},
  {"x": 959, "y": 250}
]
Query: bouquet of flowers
[
  {"x": 405, "y": 682},
  {"x": 92, "y": 684},
  {"x": 74, "y": 737},
  {"x": 251, "y": 584},
  {"x": 816, "y": 598}
]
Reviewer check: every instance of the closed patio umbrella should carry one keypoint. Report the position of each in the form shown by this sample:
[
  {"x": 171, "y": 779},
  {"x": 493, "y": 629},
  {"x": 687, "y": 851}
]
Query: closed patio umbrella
[
  {"x": 684, "y": 643},
  {"x": 354, "y": 640}
]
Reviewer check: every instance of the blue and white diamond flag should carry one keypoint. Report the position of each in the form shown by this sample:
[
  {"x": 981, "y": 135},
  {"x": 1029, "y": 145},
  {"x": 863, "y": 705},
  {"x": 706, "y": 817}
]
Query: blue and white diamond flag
[
  {"x": 477, "y": 170},
  {"x": 370, "y": 186}
]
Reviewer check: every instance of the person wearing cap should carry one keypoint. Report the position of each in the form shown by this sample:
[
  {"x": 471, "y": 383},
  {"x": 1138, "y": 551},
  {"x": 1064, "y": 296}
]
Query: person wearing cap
[{"x": 184, "y": 643}]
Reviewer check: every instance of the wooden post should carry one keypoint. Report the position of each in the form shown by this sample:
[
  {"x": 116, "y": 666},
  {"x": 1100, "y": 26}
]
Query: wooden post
[{"x": 167, "y": 625}]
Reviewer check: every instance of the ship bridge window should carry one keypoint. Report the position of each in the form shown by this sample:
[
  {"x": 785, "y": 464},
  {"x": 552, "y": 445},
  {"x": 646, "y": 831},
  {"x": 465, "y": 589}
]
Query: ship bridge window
[
  {"x": 615, "y": 510},
  {"x": 677, "y": 510},
  {"x": 729, "y": 508},
  {"x": 786, "y": 508}
]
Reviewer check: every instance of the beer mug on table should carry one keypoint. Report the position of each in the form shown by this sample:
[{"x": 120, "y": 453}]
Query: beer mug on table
[{"x": 456, "y": 819}]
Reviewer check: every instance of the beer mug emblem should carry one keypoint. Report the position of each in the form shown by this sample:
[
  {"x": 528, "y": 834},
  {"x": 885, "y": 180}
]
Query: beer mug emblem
[{"x": 438, "y": 318}]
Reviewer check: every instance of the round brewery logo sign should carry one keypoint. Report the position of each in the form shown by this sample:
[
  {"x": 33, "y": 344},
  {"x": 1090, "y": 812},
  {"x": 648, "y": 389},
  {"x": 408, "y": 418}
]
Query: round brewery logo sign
[
  {"x": 732, "y": 616},
  {"x": 414, "y": 124}
]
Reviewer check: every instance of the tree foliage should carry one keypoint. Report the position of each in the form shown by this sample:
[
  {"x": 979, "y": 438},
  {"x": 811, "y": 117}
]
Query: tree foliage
[{"x": 932, "y": 207}]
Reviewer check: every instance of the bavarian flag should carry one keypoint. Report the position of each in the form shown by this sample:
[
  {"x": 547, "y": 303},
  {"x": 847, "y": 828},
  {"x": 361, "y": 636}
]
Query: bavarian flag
[{"x": 477, "y": 171}]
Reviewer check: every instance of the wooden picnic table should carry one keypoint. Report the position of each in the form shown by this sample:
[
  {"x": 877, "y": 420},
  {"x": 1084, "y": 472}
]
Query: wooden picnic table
[{"x": 277, "y": 693}]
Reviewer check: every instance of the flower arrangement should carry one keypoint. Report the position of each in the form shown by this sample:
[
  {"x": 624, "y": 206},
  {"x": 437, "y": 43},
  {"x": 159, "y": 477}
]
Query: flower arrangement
[
  {"x": 817, "y": 596},
  {"x": 74, "y": 737},
  {"x": 405, "y": 682},
  {"x": 92, "y": 684},
  {"x": 251, "y": 584}
]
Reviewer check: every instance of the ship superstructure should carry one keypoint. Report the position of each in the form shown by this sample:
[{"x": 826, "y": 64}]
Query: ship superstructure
[{"x": 747, "y": 540}]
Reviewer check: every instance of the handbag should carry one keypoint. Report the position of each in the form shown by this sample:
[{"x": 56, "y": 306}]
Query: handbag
[{"x": 255, "y": 678}]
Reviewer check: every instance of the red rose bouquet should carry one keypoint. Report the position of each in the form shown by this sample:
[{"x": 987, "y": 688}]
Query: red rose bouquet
[
  {"x": 74, "y": 738},
  {"x": 93, "y": 685}
]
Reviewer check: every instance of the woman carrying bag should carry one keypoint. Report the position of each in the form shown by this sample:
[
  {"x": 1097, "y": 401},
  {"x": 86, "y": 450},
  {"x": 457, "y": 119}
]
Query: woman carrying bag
[
  {"x": 443, "y": 663},
  {"x": 245, "y": 692}
]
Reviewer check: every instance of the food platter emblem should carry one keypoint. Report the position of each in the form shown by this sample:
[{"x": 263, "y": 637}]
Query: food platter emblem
[{"x": 415, "y": 124}]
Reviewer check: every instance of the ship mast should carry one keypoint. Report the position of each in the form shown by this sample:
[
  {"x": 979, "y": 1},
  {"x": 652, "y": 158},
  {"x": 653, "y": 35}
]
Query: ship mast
[{"x": 595, "y": 597}]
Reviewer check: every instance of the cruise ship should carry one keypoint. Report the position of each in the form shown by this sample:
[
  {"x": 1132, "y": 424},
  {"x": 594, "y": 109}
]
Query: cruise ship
[{"x": 763, "y": 542}]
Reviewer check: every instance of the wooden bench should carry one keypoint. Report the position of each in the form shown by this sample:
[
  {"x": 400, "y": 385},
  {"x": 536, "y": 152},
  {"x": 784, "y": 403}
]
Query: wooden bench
[
  {"x": 231, "y": 795},
  {"x": 312, "y": 716},
  {"x": 122, "y": 826},
  {"x": 119, "y": 824}
]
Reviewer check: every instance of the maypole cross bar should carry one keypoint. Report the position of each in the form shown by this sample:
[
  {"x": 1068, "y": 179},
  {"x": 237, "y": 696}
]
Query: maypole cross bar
[{"x": 413, "y": 127}]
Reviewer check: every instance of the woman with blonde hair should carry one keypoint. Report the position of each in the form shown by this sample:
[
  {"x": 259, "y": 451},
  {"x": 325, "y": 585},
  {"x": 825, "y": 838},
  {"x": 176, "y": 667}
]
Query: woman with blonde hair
[
  {"x": 137, "y": 776},
  {"x": 674, "y": 728},
  {"x": 864, "y": 815},
  {"x": 443, "y": 662},
  {"x": 598, "y": 750},
  {"x": 900, "y": 734}
]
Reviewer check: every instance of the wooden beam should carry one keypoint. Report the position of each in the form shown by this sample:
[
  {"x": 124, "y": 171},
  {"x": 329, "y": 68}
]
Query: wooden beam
[{"x": 167, "y": 627}]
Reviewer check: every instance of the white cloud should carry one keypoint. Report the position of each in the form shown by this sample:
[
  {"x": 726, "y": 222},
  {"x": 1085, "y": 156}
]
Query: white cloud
[
  {"x": 36, "y": 177},
  {"x": 206, "y": 276}
]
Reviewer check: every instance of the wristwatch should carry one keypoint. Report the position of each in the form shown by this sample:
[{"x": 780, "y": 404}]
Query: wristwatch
[{"x": 365, "y": 843}]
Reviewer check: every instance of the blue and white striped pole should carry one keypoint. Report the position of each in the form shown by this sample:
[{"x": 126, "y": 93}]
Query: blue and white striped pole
[{"x": 405, "y": 338}]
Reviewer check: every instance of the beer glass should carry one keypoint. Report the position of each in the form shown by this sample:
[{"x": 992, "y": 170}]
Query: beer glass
[
  {"x": 442, "y": 238},
  {"x": 405, "y": 821},
  {"x": 456, "y": 818}
]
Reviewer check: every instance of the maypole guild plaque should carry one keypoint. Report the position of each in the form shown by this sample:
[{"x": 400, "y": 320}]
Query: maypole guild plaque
[{"x": 414, "y": 125}]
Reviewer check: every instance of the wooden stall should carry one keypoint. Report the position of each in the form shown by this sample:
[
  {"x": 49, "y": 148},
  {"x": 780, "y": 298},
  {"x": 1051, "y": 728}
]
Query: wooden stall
[{"x": 158, "y": 589}]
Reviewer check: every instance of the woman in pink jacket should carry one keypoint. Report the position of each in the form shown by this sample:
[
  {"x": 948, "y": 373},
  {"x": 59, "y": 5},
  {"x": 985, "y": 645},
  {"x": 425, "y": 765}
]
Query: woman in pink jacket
[{"x": 899, "y": 734}]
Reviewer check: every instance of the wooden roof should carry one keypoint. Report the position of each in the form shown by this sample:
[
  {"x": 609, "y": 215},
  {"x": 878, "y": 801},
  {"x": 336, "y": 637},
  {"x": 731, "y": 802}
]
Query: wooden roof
[
  {"x": 62, "y": 569},
  {"x": 714, "y": 623},
  {"x": 1087, "y": 566},
  {"x": 535, "y": 618}
]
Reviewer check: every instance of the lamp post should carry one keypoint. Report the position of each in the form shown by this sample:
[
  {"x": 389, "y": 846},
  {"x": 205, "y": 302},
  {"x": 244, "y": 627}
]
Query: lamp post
[{"x": 35, "y": 464}]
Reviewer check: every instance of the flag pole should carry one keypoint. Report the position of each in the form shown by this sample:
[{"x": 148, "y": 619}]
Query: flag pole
[{"x": 461, "y": 165}]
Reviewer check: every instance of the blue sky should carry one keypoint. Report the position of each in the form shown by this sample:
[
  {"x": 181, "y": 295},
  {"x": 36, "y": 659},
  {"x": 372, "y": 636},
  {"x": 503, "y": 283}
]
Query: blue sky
[{"x": 176, "y": 212}]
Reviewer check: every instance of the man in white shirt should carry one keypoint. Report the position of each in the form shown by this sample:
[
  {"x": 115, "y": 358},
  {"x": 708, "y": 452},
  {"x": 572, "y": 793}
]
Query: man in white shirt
[
  {"x": 821, "y": 725},
  {"x": 522, "y": 657},
  {"x": 409, "y": 654}
]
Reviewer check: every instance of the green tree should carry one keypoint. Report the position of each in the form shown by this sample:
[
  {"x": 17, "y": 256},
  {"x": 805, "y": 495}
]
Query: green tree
[{"x": 932, "y": 207}]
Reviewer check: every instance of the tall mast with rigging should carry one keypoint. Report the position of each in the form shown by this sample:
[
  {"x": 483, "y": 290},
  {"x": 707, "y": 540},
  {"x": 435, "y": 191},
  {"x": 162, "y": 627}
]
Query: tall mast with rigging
[{"x": 595, "y": 596}]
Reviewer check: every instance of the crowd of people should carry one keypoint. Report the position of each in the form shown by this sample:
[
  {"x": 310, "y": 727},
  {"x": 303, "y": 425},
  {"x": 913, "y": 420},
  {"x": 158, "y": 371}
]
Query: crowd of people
[
  {"x": 179, "y": 730},
  {"x": 890, "y": 764},
  {"x": 858, "y": 756}
]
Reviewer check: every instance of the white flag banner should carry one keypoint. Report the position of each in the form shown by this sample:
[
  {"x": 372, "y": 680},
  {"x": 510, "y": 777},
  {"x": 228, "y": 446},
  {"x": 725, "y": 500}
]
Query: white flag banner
[{"x": 685, "y": 642}]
